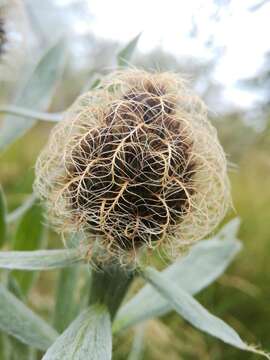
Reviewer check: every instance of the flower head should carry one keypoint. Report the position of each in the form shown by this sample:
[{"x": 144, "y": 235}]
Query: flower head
[{"x": 135, "y": 164}]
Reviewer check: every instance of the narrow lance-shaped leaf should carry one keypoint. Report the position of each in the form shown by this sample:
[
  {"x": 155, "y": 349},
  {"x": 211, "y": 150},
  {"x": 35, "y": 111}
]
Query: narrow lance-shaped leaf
[
  {"x": 31, "y": 114},
  {"x": 206, "y": 261},
  {"x": 4, "y": 346},
  {"x": 88, "y": 337},
  {"x": 92, "y": 82},
  {"x": 19, "y": 350},
  {"x": 137, "y": 349},
  {"x": 65, "y": 304},
  {"x": 126, "y": 53},
  {"x": 19, "y": 321},
  {"x": 85, "y": 279},
  {"x": 21, "y": 210},
  {"x": 2, "y": 217},
  {"x": 28, "y": 236},
  {"x": 39, "y": 259},
  {"x": 36, "y": 93},
  {"x": 229, "y": 231},
  {"x": 193, "y": 312}
]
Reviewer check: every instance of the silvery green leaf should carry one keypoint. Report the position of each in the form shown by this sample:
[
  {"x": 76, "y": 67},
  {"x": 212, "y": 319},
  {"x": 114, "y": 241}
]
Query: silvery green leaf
[
  {"x": 92, "y": 82},
  {"x": 13, "y": 287},
  {"x": 28, "y": 237},
  {"x": 31, "y": 114},
  {"x": 137, "y": 349},
  {"x": 65, "y": 304},
  {"x": 19, "y": 321},
  {"x": 126, "y": 53},
  {"x": 22, "y": 209},
  {"x": 88, "y": 337},
  {"x": 2, "y": 217},
  {"x": 206, "y": 261},
  {"x": 19, "y": 350},
  {"x": 67, "y": 290},
  {"x": 193, "y": 312},
  {"x": 229, "y": 231},
  {"x": 39, "y": 259},
  {"x": 36, "y": 93},
  {"x": 4, "y": 346},
  {"x": 51, "y": 19}
]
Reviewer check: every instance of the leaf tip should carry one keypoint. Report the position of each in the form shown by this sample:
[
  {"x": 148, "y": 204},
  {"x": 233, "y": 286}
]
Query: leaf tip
[{"x": 256, "y": 350}]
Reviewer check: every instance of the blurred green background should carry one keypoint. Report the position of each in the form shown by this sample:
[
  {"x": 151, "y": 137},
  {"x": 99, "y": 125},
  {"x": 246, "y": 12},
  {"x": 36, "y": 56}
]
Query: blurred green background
[{"x": 241, "y": 296}]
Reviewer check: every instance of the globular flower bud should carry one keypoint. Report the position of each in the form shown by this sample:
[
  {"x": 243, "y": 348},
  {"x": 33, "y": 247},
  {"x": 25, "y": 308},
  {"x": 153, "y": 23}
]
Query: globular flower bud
[{"x": 135, "y": 164}]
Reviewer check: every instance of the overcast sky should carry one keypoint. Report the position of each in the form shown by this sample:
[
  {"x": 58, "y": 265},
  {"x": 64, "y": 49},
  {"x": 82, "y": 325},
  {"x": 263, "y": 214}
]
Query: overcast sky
[{"x": 241, "y": 34}]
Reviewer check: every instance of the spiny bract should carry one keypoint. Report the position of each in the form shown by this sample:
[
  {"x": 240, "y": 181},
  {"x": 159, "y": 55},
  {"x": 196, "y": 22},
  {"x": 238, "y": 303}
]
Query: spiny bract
[{"x": 135, "y": 164}]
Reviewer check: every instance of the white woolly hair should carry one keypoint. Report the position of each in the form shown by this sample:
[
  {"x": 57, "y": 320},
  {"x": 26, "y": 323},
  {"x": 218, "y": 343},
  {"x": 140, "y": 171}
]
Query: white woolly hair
[{"x": 134, "y": 165}]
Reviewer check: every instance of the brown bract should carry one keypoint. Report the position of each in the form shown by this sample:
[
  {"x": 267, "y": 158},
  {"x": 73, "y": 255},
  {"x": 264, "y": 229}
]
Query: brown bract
[{"x": 134, "y": 165}]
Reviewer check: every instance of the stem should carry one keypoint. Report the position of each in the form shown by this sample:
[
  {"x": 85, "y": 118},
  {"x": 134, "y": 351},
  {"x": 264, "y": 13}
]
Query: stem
[
  {"x": 109, "y": 286},
  {"x": 22, "y": 112}
]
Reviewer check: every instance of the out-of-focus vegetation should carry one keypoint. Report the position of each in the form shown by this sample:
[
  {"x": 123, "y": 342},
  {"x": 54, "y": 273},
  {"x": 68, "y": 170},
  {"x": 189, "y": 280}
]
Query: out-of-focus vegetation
[{"x": 241, "y": 297}]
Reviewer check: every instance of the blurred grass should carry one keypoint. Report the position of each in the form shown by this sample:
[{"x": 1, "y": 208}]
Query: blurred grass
[
  {"x": 17, "y": 164},
  {"x": 241, "y": 297}
]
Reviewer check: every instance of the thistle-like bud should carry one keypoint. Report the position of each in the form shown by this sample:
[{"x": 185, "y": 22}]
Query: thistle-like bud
[{"x": 135, "y": 165}]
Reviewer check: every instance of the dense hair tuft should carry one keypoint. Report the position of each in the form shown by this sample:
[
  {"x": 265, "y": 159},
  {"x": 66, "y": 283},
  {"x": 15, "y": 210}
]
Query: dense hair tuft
[{"x": 135, "y": 165}]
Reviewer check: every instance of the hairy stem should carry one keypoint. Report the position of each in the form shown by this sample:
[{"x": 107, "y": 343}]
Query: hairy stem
[{"x": 109, "y": 286}]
